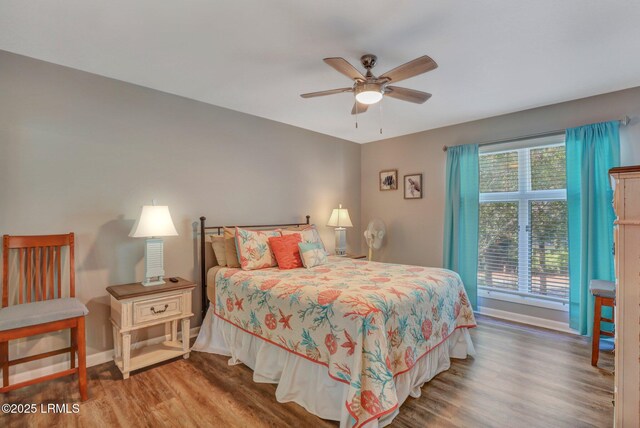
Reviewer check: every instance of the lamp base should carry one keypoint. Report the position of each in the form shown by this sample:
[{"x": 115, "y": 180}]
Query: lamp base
[
  {"x": 153, "y": 262},
  {"x": 148, "y": 282},
  {"x": 341, "y": 241}
]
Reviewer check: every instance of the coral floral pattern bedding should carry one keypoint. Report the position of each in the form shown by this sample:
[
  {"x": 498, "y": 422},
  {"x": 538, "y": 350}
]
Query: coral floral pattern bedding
[{"x": 367, "y": 322}]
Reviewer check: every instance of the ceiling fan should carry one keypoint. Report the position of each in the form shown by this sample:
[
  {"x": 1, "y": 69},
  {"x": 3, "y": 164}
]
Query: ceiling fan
[{"x": 370, "y": 89}]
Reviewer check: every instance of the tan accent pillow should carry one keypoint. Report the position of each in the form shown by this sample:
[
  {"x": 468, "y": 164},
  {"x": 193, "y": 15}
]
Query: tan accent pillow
[
  {"x": 217, "y": 242},
  {"x": 230, "y": 250}
]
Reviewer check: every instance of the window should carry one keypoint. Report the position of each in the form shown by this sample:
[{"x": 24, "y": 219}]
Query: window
[{"x": 523, "y": 245}]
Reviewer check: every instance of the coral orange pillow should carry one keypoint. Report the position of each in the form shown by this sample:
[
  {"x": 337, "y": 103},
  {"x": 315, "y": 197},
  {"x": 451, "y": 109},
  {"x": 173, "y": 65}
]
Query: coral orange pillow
[{"x": 285, "y": 249}]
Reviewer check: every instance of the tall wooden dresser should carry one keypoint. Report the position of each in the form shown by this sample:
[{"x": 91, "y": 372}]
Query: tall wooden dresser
[{"x": 626, "y": 203}]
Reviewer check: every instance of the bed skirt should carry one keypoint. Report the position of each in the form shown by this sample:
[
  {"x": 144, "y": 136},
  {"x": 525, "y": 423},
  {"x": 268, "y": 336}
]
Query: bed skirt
[{"x": 308, "y": 384}]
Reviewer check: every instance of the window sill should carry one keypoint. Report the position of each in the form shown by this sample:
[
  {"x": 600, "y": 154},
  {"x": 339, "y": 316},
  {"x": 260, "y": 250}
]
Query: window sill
[{"x": 523, "y": 300}]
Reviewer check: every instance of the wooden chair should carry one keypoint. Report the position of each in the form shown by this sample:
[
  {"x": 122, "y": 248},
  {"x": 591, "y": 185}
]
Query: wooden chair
[
  {"x": 604, "y": 293},
  {"x": 41, "y": 307}
]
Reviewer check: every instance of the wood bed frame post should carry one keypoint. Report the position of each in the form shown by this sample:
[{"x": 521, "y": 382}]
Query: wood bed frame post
[{"x": 203, "y": 269}]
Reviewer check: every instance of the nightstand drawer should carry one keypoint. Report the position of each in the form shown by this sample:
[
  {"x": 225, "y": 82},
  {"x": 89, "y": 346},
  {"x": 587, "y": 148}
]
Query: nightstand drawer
[{"x": 156, "y": 309}]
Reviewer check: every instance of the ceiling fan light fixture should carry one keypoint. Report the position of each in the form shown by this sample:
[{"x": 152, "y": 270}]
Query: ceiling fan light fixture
[
  {"x": 369, "y": 93},
  {"x": 369, "y": 89}
]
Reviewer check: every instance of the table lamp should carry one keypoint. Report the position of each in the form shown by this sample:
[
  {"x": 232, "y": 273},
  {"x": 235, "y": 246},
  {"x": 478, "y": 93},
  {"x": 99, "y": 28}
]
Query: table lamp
[
  {"x": 154, "y": 221},
  {"x": 340, "y": 219}
]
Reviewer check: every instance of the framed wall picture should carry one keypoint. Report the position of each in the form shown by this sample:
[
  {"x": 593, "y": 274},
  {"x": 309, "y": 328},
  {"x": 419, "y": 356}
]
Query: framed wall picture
[
  {"x": 413, "y": 186},
  {"x": 389, "y": 179}
]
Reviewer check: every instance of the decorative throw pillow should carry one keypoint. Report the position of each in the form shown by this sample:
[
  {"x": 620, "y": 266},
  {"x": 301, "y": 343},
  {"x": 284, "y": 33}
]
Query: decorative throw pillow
[
  {"x": 286, "y": 251},
  {"x": 307, "y": 234},
  {"x": 312, "y": 254},
  {"x": 217, "y": 242},
  {"x": 231, "y": 253},
  {"x": 253, "y": 248}
]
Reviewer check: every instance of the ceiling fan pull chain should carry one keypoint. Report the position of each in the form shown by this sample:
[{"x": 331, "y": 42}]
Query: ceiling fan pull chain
[
  {"x": 356, "y": 105},
  {"x": 380, "y": 103}
]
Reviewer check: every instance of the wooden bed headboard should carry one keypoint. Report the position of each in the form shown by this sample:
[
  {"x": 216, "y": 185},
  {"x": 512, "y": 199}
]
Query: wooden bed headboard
[{"x": 217, "y": 230}]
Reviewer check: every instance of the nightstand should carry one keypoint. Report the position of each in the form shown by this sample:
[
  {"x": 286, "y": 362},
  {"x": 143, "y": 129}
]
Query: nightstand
[
  {"x": 356, "y": 256},
  {"x": 134, "y": 306}
]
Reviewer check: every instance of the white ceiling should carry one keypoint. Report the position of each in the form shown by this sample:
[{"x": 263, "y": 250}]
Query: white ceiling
[{"x": 256, "y": 56}]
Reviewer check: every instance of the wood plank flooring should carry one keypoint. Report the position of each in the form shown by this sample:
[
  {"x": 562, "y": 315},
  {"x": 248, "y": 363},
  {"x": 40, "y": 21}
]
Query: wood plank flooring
[{"x": 521, "y": 377}]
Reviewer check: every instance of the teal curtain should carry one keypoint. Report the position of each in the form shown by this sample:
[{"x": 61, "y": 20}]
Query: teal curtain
[
  {"x": 461, "y": 216},
  {"x": 591, "y": 151}
]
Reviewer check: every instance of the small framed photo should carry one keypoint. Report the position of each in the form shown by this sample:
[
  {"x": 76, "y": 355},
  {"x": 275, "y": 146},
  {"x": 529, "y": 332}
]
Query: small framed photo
[
  {"x": 389, "y": 179},
  {"x": 413, "y": 186}
]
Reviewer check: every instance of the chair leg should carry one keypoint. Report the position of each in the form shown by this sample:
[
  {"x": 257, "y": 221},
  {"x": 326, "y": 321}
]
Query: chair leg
[
  {"x": 4, "y": 362},
  {"x": 595, "y": 344},
  {"x": 74, "y": 346},
  {"x": 82, "y": 359}
]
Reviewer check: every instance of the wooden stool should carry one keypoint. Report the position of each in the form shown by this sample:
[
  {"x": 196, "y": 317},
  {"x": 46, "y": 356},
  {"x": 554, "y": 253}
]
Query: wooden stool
[{"x": 605, "y": 295}]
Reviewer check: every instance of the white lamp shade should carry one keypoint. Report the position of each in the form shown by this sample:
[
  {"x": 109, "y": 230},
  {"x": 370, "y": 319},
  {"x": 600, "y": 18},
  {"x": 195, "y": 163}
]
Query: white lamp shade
[
  {"x": 340, "y": 218},
  {"x": 154, "y": 220}
]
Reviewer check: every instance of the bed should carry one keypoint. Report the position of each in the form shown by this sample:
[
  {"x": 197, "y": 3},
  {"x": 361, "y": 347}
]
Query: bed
[{"x": 349, "y": 340}]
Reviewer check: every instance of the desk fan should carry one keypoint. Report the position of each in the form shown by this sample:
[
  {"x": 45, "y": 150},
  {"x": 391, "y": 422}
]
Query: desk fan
[{"x": 374, "y": 235}]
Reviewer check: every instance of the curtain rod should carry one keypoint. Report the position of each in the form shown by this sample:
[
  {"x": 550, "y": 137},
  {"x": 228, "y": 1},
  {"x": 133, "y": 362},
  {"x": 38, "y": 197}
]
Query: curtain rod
[{"x": 624, "y": 122}]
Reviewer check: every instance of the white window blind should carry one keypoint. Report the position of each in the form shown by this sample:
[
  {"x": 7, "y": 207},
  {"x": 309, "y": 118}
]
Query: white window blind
[{"x": 523, "y": 246}]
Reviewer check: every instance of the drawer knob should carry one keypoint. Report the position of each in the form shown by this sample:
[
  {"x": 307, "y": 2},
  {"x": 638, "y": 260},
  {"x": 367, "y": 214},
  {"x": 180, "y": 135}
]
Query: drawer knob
[{"x": 159, "y": 311}]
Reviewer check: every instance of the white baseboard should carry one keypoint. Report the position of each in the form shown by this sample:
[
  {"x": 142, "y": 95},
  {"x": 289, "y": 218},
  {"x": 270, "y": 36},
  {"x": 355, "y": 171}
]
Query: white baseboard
[
  {"x": 92, "y": 360},
  {"x": 526, "y": 319}
]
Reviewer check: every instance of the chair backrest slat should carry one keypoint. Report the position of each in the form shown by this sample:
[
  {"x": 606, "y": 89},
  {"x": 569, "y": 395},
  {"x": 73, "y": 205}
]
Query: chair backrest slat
[
  {"x": 43, "y": 272},
  {"x": 37, "y": 279},
  {"x": 39, "y": 267},
  {"x": 36, "y": 274},
  {"x": 59, "y": 271},
  {"x": 21, "y": 272},
  {"x": 50, "y": 271},
  {"x": 40, "y": 271},
  {"x": 29, "y": 275}
]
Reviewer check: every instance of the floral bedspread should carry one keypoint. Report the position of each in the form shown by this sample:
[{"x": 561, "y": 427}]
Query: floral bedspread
[{"x": 367, "y": 322}]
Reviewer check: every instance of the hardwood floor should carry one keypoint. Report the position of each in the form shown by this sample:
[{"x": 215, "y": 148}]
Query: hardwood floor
[{"x": 521, "y": 377}]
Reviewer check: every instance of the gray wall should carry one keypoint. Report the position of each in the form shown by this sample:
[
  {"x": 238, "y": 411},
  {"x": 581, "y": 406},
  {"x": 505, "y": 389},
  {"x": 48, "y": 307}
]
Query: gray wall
[
  {"x": 82, "y": 153},
  {"x": 415, "y": 227}
]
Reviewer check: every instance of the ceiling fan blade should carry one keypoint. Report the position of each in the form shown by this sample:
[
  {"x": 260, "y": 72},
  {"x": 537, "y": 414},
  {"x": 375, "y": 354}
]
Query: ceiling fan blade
[
  {"x": 410, "y": 69},
  {"x": 344, "y": 67},
  {"x": 405, "y": 94},
  {"x": 361, "y": 108},
  {"x": 329, "y": 92}
]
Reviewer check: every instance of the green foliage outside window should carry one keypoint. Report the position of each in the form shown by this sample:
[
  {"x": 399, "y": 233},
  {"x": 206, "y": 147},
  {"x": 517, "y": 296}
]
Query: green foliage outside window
[
  {"x": 547, "y": 229},
  {"x": 548, "y": 166},
  {"x": 499, "y": 172}
]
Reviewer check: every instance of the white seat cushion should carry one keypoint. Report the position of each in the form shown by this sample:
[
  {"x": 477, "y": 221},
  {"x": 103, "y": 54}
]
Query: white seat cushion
[
  {"x": 40, "y": 312},
  {"x": 601, "y": 288}
]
